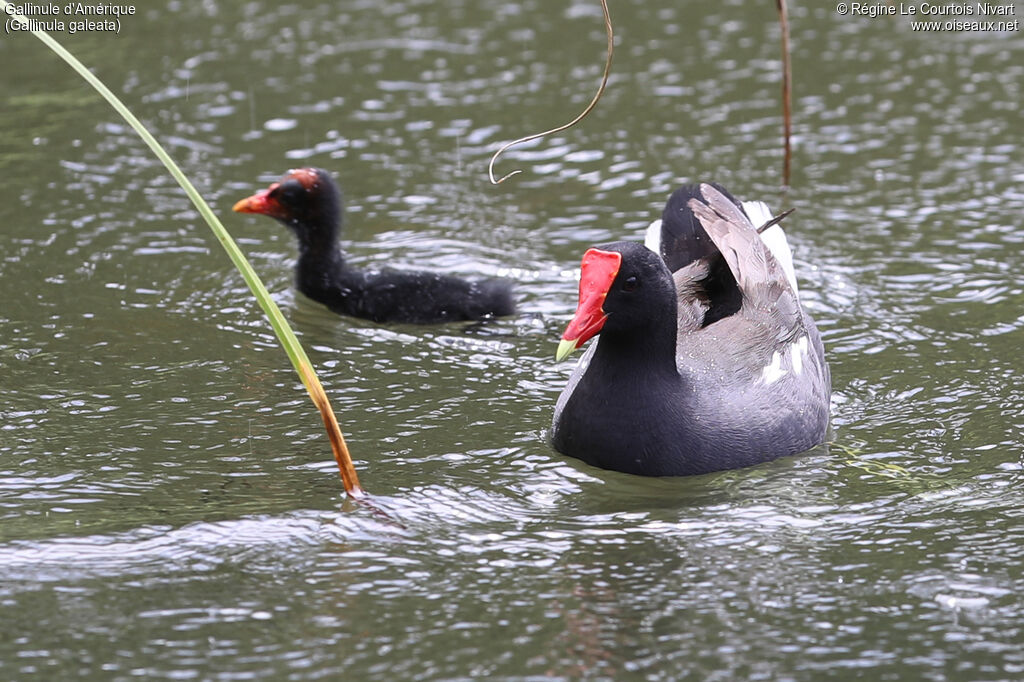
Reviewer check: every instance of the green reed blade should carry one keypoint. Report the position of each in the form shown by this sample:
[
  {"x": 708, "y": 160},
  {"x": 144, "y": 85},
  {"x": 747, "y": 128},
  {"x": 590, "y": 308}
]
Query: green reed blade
[{"x": 284, "y": 332}]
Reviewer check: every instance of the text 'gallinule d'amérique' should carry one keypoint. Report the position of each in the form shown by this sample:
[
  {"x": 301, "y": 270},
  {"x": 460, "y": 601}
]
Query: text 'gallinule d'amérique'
[
  {"x": 706, "y": 359},
  {"x": 308, "y": 201}
]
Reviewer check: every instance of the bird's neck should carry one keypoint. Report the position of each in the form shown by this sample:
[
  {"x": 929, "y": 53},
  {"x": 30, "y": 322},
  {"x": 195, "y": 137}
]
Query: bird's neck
[
  {"x": 320, "y": 256},
  {"x": 645, "y": 354},
  {"x": 322, "y": 273}
]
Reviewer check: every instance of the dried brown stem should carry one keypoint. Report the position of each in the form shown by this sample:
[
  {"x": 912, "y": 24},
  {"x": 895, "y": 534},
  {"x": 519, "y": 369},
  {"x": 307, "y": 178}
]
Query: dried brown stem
[
  {"x": 775, "y": 221},
  {"x": 787, "y": 91},
  {"x": 349, "y": 478}
]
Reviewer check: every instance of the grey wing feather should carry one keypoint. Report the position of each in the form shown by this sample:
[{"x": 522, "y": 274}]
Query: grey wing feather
[
  {"x": 691, "y": 299},
  {"x": 761, "y": 279}
]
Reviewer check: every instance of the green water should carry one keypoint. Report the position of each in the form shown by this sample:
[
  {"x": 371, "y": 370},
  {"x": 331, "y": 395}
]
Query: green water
[{"x": 169, "y": 508}]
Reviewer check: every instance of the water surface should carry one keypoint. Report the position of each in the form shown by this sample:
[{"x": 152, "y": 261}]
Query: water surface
[{"x": 168, "y": 505}]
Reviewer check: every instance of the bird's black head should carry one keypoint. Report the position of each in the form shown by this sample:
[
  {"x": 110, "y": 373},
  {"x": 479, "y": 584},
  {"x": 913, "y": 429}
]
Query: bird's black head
[
  {"x": 306, "y": 199},
  {"x": 625, "y": 289}
]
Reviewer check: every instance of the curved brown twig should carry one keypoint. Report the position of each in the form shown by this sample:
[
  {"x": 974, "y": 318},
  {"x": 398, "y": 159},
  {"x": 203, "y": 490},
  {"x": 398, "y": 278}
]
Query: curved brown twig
[{"x": 570, "y": 124}]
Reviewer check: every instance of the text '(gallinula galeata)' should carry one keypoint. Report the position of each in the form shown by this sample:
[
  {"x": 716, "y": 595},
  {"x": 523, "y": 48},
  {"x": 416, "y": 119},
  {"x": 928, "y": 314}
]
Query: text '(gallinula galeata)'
[
  {"x": 706, "y": 359},
  {"x": 308, "y": 201}
]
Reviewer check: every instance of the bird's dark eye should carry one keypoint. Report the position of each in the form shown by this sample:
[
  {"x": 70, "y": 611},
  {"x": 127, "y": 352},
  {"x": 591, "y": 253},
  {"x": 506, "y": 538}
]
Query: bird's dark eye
[
  {"x": 630, "y": 284},
  {"x": 289, "y": 191}
]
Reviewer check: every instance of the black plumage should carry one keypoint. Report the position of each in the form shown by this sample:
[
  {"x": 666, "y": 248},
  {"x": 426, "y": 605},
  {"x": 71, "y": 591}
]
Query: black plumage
[{"x": 309, "y": 202}]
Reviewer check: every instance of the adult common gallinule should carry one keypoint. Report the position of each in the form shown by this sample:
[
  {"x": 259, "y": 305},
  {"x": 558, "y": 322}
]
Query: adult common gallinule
[
  {"x": 706, "y": 360},
  {"x": 308, "y": 201}
]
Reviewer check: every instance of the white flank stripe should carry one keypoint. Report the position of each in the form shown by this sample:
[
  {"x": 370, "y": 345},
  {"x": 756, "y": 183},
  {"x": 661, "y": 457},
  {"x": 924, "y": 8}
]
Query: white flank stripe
[
  {"x": 797, "y": 353},
  {"x": 773, "y": 371}
]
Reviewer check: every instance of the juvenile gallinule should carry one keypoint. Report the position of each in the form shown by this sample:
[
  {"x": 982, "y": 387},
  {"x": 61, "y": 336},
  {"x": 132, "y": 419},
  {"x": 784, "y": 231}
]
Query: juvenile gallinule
[
  {"x": 706, "y": 360},
  {"x": 308, "y": 201}
]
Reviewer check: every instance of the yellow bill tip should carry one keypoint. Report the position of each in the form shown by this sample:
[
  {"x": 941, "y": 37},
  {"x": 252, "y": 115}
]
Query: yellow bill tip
[{"x": 565, "y": 349}]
